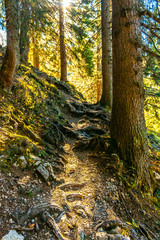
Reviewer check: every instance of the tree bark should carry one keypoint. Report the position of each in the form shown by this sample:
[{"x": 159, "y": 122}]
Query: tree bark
[
  {"x": 11, "y": 58},
  {"x": 62, "y": 43},
  {"x": 106, "y": 99},
  {"x": 35, "y": 53},
  {"x": 98, "y": 82},
  {"x": 24, "y": 31},
  {"x": 128, "y": 127}
]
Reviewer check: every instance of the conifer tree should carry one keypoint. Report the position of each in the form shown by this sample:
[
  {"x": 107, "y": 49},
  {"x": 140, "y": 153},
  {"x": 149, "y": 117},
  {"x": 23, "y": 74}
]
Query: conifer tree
[
  {"x": 11, "y": 59},
  {"x": 62, "y": 43},
  {"x": 128, "y": 124},
  {"x": 106, "y": 99},
  {"x": 24, "y": 30}
]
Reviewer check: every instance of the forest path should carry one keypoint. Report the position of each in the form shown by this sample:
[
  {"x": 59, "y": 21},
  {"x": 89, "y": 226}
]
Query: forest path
[
  {"x": 85, "y": 187},
  {"x": 61, "y": 177}
]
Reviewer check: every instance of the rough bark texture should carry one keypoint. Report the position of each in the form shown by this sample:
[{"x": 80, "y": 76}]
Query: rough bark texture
[
  {"x": 62, "y": 43},
  {"x": 24, "y": 37},
  {"x": 11, "y": 59},
  {"x": 128, "y": 124},
  {"x": 106, "y": 54}
]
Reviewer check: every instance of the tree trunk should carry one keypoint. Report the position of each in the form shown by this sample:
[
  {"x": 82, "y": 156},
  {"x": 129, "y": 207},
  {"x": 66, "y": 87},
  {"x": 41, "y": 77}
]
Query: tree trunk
[
  {"x": 11, "y": 58},
  {"x": 128, "y": 124},
  {"x": 35, "y": 53},
  {"x": 106, "y": 99},
  {"x": 24, "y": 35},
  {"x": 98, "y": 82},
  {"x": 62, "y": 43}
]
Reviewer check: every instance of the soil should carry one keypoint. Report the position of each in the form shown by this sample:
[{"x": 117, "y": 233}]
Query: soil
[{"x": 84, "y": 197}]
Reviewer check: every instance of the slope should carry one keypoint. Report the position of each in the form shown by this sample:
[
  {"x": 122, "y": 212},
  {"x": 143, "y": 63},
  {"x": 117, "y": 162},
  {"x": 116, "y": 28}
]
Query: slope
[{"x": 61, "y": 177}]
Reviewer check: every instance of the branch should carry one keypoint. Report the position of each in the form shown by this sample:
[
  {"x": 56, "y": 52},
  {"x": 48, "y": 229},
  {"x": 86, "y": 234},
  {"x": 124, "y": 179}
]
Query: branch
[
  {"x": 150, "y": 14},
  {"x": 154, "y": 45},
  {"x": 150, "y": 29},
  {"x": 147, "y": 50}
]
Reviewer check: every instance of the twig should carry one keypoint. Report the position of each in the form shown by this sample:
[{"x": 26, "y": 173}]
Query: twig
[{"x": 23, "y": 229}]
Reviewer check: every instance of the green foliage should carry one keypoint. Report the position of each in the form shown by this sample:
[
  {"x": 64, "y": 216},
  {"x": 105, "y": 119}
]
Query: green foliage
[
  {"x": 152, "y": 69},
  {"x": 28, "y": 114}
]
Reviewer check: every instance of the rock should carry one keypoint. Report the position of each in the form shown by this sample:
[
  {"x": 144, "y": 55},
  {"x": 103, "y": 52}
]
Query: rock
[
  {"x": 105, "y": 236},
  {"x": 3, "y": 157},
  {"x": 35, "y": 158},
  {"x": 101, "y": 236},
  {"x": 22, "y": 162},
  {"x": 157, "y": 175},
  {"x": 43, "y": 171},
  {"x": 112, "y": 231},
  {"x": 46, "y": 171},
  {"x": 117, "y": 237},
  {"x": 13, "y": 235}
]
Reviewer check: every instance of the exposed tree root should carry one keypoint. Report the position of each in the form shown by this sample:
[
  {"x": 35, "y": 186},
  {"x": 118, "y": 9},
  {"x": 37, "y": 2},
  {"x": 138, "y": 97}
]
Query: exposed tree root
[
  {"x": 79, "y": 207},
  {"x": 36, "y": 211},
  {"x": 47, "y": 218},
  {"x": 74, "y": 197},
  {"x": 97, "y": 143},
  {"x": 72, "y": 186},
  {"x": 109, "y": 224}
]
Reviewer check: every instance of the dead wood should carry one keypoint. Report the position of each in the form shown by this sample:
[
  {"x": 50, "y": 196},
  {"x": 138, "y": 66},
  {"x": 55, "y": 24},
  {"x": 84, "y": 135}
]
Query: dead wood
[
  {"x": 72, "y": 186},
  {"x": 47, "y": 218},
  {"x": 18, "y": 228}
]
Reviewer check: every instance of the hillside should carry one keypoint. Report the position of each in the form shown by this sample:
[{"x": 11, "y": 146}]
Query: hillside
[{"x": 61, "y": 177}]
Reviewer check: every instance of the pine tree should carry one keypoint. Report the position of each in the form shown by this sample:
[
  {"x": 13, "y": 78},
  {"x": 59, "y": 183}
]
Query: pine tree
[
  {"x": 128, "y": 128},
  {"x": 62, "y": 43},
  {"x": 106, "y": 99},
  {"x": 24, "y": 30},
  {"x": 11, "y": 59}
]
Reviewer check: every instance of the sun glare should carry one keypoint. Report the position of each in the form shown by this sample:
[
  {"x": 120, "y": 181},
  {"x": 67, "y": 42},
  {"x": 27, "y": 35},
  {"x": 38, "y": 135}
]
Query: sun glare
[{"x": 66, "y": 3}]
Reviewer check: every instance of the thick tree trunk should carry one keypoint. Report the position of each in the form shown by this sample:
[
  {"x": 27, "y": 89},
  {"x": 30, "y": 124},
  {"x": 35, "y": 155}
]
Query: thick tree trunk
[
  {"x": 62, "y": 43},
  {"x": 106, "y": 99},
  {"x": 24, "y": 35},
  {"x": 128, "y": 124},
  {"x": 11, "y": 59}
]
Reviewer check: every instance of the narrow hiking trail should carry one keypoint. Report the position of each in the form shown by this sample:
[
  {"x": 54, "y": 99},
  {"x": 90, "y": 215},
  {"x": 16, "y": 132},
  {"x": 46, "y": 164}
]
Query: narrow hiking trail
[
  {"x": 83, "y": 192},
  {"x": 65, "y": 180}
]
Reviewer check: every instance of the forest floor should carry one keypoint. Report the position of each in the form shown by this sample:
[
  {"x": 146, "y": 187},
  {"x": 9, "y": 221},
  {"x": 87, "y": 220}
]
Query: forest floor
[{"x": 60, "y": 175}]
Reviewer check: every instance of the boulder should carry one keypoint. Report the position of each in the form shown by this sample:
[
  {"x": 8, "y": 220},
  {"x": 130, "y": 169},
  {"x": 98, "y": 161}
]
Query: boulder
[{"x": 13, "y": 235}]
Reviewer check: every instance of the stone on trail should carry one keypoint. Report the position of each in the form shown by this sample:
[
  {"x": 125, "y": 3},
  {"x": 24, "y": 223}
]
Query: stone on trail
[
  {"x": 13, "y": 235},
  {"x": 46, "y": 171}
]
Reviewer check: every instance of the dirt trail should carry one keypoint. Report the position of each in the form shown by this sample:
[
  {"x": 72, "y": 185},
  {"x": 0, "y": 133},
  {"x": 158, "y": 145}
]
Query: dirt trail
[
  {"x": 65, "y": 178},
  {"x": 79, "y": 170},
  {"x": 84, "y": 193}
]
